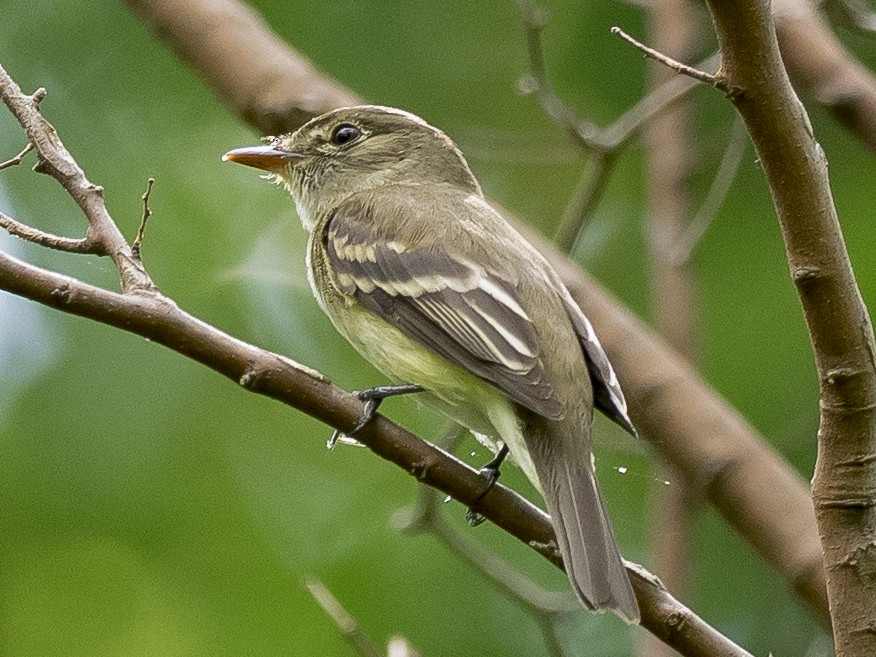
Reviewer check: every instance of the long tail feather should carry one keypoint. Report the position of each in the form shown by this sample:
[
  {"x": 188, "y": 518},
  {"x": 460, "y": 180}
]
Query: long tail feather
[{"x": 584, "y": 534}]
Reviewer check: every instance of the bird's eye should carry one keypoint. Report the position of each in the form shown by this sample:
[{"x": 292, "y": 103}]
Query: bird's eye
[{"x": 345, "y": 133}]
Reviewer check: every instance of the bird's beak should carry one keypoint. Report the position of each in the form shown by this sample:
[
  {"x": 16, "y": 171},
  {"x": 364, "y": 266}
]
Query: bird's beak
[{"x": 262, "y": 157}]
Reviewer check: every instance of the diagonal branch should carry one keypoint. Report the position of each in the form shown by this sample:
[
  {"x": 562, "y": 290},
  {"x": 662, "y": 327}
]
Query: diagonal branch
[
  {"x": 157, "y": 318},
  {"x": 825, "y": 69}
]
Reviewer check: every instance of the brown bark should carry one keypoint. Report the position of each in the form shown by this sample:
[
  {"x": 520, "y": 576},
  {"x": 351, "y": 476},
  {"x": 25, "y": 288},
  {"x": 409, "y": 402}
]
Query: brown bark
[{"x": 844, "y": 486}]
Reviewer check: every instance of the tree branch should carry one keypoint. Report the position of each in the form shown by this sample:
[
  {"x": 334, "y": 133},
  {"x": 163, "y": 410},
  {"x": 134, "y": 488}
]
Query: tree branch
[
  {"x": 36, "y": 236},
  {"x": 103, "y": 236},
  {"x": 822, "y": 66},
  {"x": 844, "y": 486},
  {"x": 701, "y": 76},
  {"x": 17, "y": 159},
  {"x": 686, "y": 422},
  {"x": 153, "y": 316}
]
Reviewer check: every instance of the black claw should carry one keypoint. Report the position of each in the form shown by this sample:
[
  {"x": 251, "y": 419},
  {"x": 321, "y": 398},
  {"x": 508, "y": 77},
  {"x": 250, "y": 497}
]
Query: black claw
[
  {"x": 491, "y": 472},
  {"x": 474, "y": 518},
  {"x": 491, "y": 469},
  {"x": 373, "y": 397}
]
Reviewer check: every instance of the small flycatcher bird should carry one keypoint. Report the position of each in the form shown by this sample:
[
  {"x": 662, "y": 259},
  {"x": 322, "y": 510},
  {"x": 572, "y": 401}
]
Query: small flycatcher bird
[{"x": 435, "y": 288}]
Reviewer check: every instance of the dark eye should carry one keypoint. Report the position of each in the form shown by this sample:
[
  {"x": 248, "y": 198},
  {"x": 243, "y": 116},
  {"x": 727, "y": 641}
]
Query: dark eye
[{"x": 345, "y": 133}]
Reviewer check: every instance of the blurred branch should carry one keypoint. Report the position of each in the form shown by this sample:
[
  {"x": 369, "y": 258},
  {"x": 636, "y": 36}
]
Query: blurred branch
[
  {"x": 254, "y": 82},
  {"x": 144, "y": 311},
  {"x": 690, "y": 237},
  {"x": 346, "y": 624},
  {"x": 603, "y": 144},
  {"x": 541, "y": 605},
  {"x": 844, "y": 485},
  {"x": 684, "y": 419},
  {"x": 859, "y": 13},
  {"x": 671, "y": 154},
  {"x": 822, "y": 66},
  {"x": 545, "y": 607}
]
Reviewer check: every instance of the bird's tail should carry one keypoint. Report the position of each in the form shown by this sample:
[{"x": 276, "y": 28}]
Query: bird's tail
[{"x": 584, "y": 534}]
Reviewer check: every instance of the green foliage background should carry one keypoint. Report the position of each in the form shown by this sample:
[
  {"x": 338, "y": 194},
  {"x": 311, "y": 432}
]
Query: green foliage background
[{"x": 150, "y": 507}]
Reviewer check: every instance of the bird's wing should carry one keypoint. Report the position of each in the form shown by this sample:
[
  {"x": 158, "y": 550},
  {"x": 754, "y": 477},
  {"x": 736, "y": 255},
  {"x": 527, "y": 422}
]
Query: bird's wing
[
  {"x": 607, "y": 394},
  {"x": 437, "y": 296}
]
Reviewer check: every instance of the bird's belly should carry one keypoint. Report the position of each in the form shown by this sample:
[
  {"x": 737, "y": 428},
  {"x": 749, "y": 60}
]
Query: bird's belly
[{"x": 458, "y": 394}]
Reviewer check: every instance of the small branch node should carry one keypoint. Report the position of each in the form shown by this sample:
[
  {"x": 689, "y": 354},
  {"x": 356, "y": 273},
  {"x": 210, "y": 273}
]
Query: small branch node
[
  {"x": 806, "y": 274},
  {"x": 141, "y": 231},
  {"x": 38, "y": 96},
  {"x": 62, "y": 294},
  {"x": 42, "y": 166},
  {"x": 248, "y": 379}
]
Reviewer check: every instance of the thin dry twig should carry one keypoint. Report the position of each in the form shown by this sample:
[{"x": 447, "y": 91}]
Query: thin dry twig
[
  {"x": 36, "y": 236},
  {"x": 346, "y": 624},
  {"x": 141, "y": 230},
  {"x": 103, "y": 236},
  {"x": 15, "y": 161},
  {"x": 716, "y": 81}
]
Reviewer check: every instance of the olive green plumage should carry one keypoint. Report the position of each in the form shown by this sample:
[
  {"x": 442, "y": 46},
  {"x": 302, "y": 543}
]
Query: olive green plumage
[{"x": 434, "y": 287}]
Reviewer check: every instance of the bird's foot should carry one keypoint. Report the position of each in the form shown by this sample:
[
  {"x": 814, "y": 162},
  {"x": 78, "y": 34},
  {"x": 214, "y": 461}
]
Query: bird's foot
[
  {"x": 372, "y": 397},
  {"x": 491, "y": 472}
]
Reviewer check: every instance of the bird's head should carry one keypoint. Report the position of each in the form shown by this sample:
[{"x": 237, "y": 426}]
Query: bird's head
[{"x": 353, "y": 149}]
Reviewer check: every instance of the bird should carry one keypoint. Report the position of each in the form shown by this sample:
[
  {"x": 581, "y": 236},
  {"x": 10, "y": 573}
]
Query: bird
[{"x": 429, "y": 282}]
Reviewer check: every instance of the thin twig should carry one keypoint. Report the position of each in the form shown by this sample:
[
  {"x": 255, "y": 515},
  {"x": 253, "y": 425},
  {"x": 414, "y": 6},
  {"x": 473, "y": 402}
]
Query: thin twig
[
  {"x": 583, "y": 200},
  {"x": 344, "y": 621},
  {"x": 716, "y": 81},
  {"x": 14, "y": 161},
  {"x": 103, "y": 235},
  {"x": 601, "y": 143},
  {"x": 657, "y": 100},
  {"x": 36, "y": 236},
  {"x": 727, "y": 170},
  {"x": 141, "y": 230},
  {"x": 534, "y": 20}
]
